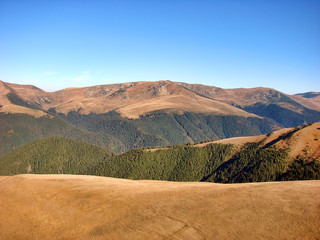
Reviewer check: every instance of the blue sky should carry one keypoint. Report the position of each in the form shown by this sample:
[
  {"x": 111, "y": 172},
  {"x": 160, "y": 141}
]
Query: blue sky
[{"x": 228, "y": 44}]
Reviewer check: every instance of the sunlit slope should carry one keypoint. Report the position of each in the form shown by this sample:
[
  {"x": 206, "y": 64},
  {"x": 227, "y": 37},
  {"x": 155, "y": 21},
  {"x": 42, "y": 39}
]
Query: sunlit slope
[
  {"x": 303, "y": 140},
  {"x": 129, "y": 99},
  {"x": 11, "y": 102},
  {"x": 309, "y": 99},
  {"x": 133, "y": 100},
  {"x": 250, "y": 96},
  {"x": 84, "y": 207}
]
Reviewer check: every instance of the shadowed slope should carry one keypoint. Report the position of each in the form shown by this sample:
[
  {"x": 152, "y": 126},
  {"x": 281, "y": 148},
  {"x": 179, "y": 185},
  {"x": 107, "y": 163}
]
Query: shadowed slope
[
  {"x": 19, "y": 129},
  {"x": 84, "y": 207}
]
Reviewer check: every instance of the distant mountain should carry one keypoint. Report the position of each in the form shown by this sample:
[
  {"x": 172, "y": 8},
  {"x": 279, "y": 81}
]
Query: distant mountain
[
  {"x": 309, "y": 99},
  {"x": 141, "y": 114},
  {"x": 133, "y": 100},
  {"x": 288, "y": 154},
  {"x": 309, "y": 94},
  {"x": 286, "y": 110},
  {"x": 130, "y": 99}
]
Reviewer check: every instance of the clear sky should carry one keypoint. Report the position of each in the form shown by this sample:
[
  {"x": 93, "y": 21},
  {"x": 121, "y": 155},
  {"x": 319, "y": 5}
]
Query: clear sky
[{"x": 224, "y": 43}]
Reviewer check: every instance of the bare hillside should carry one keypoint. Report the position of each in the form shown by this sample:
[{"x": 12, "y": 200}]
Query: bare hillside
[
  {"x": 250, "y": 96},
  {"x": 304, "y": 140},
  {"x": 88, "y": 207},
  {"x": 8, "y": 107},
  {"x": 104, "y": 98},
  {"x": 310, "y": 100},
  {"x": 129, "y": 99}
]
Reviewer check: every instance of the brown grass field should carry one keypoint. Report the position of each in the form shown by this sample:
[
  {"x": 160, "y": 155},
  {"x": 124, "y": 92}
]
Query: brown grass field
[{"x": 88, "y": 207}]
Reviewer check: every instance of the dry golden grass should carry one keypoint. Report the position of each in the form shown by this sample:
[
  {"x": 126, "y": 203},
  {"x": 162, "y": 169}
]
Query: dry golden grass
[
  {"x": 240, "y": 96},
  {"x": 305, "y": 141},
  {"x": 7, "y": 107},
  {"x": 180, "y": 104},
  {"x": 130, "y": 99},
  {"x": 134, "y": 99},
  {"x": 11, "y": 108},
  {"x": 139, "y": 98},
  {"x": 88, "y": 207},
  {"x": 250, "y": 96},
  {"x": 243, "y": 140},
  {"x": 313, "y": 103}
]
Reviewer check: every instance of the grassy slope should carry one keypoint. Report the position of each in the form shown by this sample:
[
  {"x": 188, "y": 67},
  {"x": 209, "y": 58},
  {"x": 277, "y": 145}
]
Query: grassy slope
[{"x": 87, "y": 207}]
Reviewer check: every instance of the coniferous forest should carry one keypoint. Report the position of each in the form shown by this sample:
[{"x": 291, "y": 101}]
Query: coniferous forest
[{"x": 221, "y": 163}]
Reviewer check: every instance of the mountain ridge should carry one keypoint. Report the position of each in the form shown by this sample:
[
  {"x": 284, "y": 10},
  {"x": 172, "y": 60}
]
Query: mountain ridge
[
  {"x": 122, "y": 95},
  {"x": 125, "y": 98}
]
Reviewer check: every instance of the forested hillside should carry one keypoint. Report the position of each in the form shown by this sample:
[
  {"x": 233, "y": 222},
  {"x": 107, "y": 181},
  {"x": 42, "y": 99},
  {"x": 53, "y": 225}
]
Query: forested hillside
[
  {"x": 53, "y": 155},
  {"x": 223, "y": 163},
  {"x": 19, "y": 129},
  {"x": 120, "y": 134},
  {"x": 162, "y": 129},
  {"x": 178, "y": 163}
]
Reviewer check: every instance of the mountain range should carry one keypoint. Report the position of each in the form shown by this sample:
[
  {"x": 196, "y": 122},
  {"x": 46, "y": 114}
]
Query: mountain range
[{"x": 124, "y": 116}]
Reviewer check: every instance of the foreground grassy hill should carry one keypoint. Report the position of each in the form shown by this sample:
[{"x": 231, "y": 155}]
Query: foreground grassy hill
[
  {"x": 265, "y": 158},
  {"x": 87, "y": 207}
]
